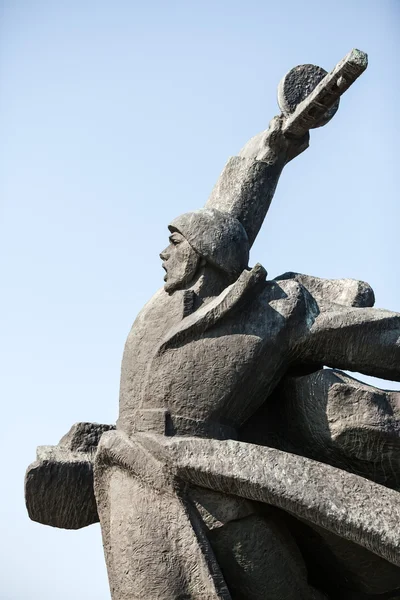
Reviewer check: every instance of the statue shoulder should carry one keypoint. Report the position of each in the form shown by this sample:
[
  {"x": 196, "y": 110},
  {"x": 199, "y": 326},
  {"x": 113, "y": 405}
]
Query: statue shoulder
[
  {"x": 289, "y": 298},
  {"x": 345, "y": 292}
]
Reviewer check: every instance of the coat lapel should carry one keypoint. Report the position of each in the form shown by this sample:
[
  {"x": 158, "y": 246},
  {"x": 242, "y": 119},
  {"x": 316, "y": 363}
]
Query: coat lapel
[{"x": 205, "y": 317}]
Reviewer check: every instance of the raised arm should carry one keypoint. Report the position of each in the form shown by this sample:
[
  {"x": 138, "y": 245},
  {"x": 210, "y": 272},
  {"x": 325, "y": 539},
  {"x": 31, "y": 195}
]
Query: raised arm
[
  {"x": 247, "y": 184},
  {"x": 308, "y": 97},
  {"x": 355, "y": 339}
]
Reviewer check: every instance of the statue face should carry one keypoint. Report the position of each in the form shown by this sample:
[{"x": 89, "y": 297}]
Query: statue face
[{"x": 180, "y": 262}]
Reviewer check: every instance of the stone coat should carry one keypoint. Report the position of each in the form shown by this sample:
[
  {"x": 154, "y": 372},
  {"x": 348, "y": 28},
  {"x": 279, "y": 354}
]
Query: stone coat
[{"x": 207, "y": 372}]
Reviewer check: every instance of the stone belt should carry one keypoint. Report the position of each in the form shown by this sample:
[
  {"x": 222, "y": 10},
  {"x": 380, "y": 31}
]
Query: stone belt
[{"x": 163, "y": 422}]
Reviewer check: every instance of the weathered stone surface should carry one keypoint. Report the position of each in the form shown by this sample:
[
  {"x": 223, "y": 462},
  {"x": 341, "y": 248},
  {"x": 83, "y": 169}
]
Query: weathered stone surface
[
  {"x": 254, "y": 174},
  {"x": 217, "y": 237},
  {"x": 332, "y": 417},
  {"x": 59, "y": 489},
  {"x": 342, "y": 568},
  {"x": 84, "y": 437},
  {"x": 338, "y": 504},
  {"x": 343, "y": 503},
  {"x": 258, "y": 329},
  {"x": 346, "y": 292},
  {"x": 314, "y": 109},
  {"x": 297, "y": 85},
  {"x": 250, "y": 540},
  {"x": 59, "y": 484},
  {"x": 153, "y": 538},
  {"x": 248, "y": 549}
]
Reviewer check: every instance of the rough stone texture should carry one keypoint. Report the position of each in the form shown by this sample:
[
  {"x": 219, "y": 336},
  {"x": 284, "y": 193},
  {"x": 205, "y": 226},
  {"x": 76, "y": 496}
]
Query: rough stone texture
[
  {"x": 343, "y": 503},
  {"x": 347, "y": 292},
  {"x": 216, "y": 236},
  {"x": 258, "y": 329},
  {"x": 334, "y": 418},
  {"x": 222, "y": 353},
  {"x": 312, "y": 111},
  {"x": 240, "y": 185},
  {"x": 331, "y": 417},
  {"x": 59, "y": 484},
  {"x": 84, "y": 437},
  {"x": 356, "y": 521},
  {"x": 250, "y": 540},
  {"x": 144, "y": 505},
  {"x": 253, "y": 546},
  {"x": 342, "y": 568},
  {"x": 153, "y": 538},
  {"x": 297, "y": 85},
  {"x": 254, "y": 174}
]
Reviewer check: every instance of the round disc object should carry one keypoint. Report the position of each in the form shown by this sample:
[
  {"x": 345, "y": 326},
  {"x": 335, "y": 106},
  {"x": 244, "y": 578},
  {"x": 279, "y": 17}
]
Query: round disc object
[{"x": 297, "y": 85}]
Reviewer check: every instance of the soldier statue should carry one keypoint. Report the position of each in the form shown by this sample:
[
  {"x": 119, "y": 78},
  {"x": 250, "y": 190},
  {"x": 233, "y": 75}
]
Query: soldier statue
[{"x": 244, "y": 465}]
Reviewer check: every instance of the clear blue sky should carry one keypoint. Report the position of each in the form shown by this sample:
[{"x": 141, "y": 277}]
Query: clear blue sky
[{"x": 116, "y": 117}]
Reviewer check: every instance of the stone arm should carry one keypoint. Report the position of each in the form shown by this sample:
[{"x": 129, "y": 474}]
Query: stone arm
[
  {"x": 355, "y": 339},
  {"x": 248, "y": 182}
]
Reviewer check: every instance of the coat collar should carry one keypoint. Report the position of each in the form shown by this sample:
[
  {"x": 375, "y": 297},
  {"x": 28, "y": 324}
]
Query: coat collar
[{"x": 206, "y": 316}]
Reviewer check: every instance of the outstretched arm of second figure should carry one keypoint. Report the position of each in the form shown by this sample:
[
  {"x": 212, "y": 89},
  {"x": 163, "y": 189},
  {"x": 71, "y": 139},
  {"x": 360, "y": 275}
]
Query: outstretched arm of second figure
[{"x": 355, "y": 339}]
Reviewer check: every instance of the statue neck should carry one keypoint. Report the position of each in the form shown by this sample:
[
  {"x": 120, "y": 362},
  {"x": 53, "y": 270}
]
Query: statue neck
[{"x": 208, "y": 284}]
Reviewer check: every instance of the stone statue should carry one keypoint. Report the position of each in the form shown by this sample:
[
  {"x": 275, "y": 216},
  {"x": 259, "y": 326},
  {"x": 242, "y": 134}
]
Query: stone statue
[{"x": 240, "y": 467}]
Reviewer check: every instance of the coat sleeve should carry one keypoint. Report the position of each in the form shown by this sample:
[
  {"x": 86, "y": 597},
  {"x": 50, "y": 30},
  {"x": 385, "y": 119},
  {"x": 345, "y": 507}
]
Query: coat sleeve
[{"x": 355, "y": 339}]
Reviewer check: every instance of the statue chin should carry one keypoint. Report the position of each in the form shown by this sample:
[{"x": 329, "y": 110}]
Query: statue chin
[{"x": 173, "y": 285}]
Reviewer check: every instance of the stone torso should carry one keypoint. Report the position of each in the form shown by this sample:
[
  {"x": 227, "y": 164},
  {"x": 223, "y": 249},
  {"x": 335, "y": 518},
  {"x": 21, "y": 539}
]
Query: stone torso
[
  {"x": 216, "y": 368},
  {"x": 150, "y": 326}
]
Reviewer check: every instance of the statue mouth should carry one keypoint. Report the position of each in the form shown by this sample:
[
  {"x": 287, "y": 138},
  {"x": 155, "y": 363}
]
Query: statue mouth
[{"x": 166, "y": 272}]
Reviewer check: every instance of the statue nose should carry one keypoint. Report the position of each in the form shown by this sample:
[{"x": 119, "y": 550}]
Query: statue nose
[{"x": 164, "y": 255}]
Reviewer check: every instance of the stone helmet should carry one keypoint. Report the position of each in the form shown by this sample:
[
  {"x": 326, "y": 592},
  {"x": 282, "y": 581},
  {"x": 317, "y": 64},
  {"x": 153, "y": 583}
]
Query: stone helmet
[{"x": 217, "y": 236}]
